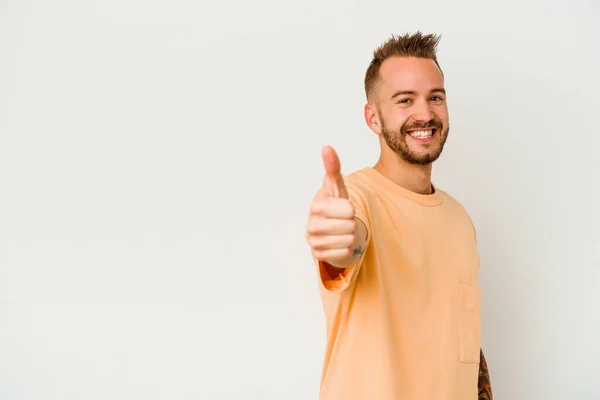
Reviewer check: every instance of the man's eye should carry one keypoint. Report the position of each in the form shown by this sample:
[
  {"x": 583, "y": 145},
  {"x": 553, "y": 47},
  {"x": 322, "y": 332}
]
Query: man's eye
[
  {"x": 404, "y": 101},
  {"x": 436, "y": 98}
]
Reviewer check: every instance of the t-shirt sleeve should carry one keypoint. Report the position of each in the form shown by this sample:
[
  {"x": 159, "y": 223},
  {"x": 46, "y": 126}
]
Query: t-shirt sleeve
[
  {"x": 348, "y": 276},
  {"x": 474, "y": 238}
]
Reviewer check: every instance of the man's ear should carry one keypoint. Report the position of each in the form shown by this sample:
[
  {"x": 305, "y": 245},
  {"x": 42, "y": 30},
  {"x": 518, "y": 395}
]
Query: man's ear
[{"x": 372, "y": 118}]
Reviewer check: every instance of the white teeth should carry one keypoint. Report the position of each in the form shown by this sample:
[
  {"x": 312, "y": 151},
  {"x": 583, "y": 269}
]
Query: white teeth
[{"x": 422, "y": 134}]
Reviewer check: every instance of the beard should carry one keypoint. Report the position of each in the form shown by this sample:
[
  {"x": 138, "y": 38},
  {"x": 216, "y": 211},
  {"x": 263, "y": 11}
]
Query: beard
[{"x": 396, "y": 140}]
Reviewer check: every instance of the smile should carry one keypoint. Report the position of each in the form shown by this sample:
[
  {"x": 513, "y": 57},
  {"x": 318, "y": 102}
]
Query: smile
[{"x": 423, "y": 135}]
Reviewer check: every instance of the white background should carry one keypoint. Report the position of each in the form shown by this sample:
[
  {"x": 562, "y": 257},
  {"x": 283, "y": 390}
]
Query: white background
[{"x": 157, "y": 160}]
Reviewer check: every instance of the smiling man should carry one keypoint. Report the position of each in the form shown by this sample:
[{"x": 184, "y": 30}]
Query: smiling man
[{"x": 397, "y": 256}]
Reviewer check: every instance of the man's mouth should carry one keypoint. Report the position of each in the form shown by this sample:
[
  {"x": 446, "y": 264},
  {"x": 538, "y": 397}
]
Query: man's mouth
[{"x": 423, "y": 134}]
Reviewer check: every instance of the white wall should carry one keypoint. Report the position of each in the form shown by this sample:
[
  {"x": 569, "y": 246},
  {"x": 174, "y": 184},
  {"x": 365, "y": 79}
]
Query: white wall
[{"x": 157, "y": 160}]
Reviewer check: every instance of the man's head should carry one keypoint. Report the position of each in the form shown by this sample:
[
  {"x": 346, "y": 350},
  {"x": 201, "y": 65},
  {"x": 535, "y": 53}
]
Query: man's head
[{"x": 406, "y": 98}]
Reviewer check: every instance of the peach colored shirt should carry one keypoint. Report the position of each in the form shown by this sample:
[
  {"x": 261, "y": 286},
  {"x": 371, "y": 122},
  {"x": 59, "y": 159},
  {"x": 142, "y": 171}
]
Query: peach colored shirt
[{"x": 404, "y": 322}]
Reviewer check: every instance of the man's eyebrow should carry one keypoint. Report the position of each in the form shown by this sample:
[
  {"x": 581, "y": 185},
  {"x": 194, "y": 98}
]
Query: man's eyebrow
[
  {"x": 405, "y": 92},
  {"x": 402, "y": 92}
]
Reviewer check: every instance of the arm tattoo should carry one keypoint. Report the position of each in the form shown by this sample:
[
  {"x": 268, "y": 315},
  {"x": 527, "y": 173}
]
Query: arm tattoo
[
  {"x": 484, "y": 384},
  {"x": 357, "y": 251}
]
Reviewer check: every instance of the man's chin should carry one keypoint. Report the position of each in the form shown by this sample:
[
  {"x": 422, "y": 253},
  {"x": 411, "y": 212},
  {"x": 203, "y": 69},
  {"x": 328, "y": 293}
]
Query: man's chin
[{"x": 422, "y": 159}]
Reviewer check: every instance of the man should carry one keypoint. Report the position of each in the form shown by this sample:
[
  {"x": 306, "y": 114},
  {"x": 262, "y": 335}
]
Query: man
[{"x": 397, "y": 256}]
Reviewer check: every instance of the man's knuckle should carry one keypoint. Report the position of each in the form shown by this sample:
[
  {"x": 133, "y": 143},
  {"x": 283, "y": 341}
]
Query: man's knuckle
[
  {"x": 312, "y": 229},
  {"x": 315, "y": 207},
  {"x": 352, "y": 226}
]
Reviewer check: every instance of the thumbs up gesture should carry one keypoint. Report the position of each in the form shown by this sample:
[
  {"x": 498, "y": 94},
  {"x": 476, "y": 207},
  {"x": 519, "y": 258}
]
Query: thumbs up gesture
[
  {"x": 332, "y": 228},
  {"x": 333, "y": 183}
]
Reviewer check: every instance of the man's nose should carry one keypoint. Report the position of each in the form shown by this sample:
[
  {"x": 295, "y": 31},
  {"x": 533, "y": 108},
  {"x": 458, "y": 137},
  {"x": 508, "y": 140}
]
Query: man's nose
[{"x": 423, "y": 113}]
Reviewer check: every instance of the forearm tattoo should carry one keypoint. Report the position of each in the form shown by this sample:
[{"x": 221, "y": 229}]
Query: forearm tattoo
[{"x": 484, "y": 383}]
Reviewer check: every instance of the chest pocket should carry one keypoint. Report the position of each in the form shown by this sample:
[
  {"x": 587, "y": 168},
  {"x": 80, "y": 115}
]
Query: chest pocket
[{"x": 469, "y": 323}]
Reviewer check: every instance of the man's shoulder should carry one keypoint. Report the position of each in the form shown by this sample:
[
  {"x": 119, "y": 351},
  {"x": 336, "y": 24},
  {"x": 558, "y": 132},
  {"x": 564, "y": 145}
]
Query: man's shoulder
[
  {"x": 456, "y": 205},
  {"x": 448, "y": 197},
  {"x": 359, "y": 181}
]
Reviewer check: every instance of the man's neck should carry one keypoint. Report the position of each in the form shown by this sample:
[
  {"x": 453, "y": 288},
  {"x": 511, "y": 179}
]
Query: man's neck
[{"x": 413, "y": 177}]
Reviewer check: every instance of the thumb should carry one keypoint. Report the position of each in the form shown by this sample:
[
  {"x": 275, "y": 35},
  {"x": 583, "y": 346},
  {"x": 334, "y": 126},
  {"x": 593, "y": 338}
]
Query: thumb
[{"x": 333, "y": 177}]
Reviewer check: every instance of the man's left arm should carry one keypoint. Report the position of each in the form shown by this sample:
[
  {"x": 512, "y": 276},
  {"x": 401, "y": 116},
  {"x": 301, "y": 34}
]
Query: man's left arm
[{"x": 484, "y": 384}]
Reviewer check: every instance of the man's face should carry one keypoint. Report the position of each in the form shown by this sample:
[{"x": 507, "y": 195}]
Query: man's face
[{"x": 411, "y": 105}]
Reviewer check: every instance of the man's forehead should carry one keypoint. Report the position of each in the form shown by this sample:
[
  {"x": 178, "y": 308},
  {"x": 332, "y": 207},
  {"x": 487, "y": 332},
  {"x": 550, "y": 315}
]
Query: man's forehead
[{"x": 410, "y": 73}]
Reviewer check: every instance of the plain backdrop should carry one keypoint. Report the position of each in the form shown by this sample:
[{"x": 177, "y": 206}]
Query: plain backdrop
[{"x": 158, "y": 158}]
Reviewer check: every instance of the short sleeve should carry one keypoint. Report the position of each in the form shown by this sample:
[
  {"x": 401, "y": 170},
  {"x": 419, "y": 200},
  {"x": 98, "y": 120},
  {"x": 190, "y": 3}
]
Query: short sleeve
[
  {"x": 348, "y": 276},
  {"x": 474, "y": 238}
]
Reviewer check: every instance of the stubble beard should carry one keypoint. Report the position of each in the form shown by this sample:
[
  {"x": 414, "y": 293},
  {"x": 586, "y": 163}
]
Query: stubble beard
[{"x": 396, "y": 140}]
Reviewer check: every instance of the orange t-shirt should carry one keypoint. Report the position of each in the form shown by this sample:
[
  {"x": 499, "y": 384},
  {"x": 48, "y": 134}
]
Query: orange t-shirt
[{"x": 404, "y": 322}]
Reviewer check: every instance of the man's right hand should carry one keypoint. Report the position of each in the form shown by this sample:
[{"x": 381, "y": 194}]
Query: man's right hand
[{"x": 333, "y": 233}]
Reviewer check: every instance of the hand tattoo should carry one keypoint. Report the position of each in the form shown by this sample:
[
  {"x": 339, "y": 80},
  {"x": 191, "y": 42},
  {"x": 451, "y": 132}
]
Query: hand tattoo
[{"x": 357, "y": 251}]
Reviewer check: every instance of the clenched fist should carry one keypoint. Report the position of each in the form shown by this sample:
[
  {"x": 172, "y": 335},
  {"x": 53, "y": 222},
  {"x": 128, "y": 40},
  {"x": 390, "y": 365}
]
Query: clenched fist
[{"x": 333, "y": 233}]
